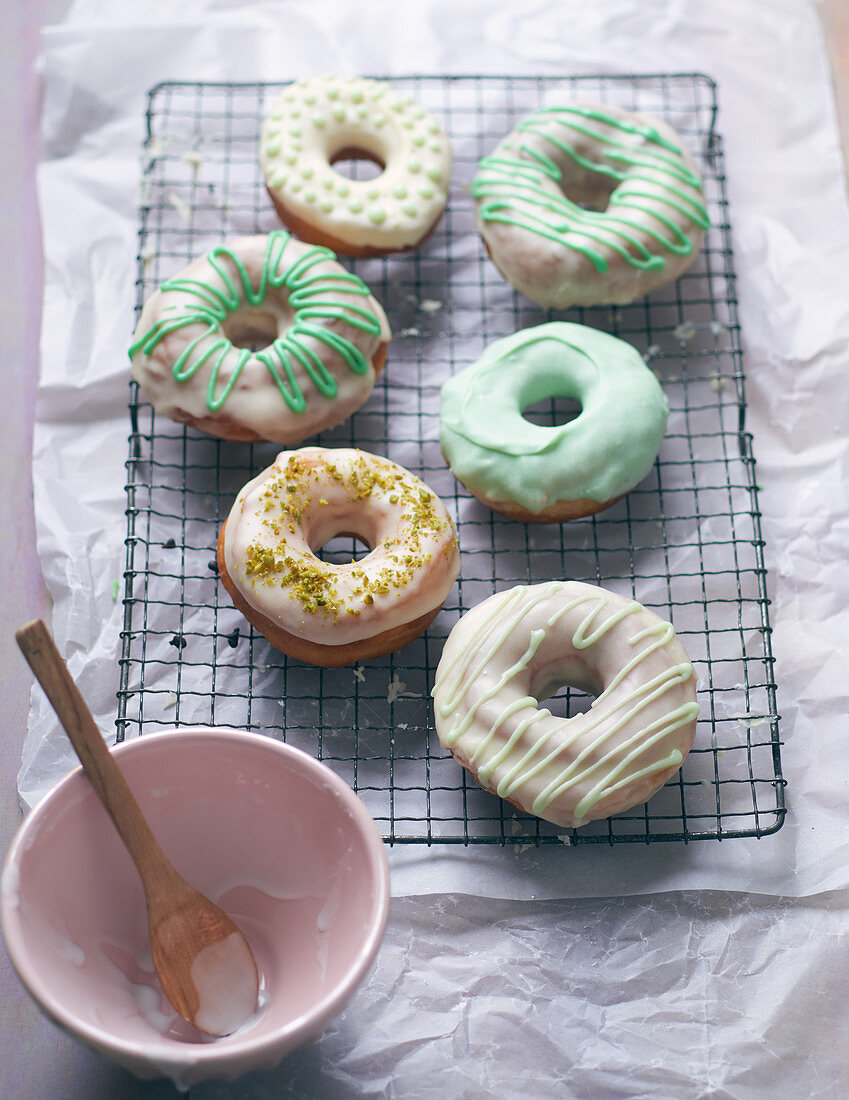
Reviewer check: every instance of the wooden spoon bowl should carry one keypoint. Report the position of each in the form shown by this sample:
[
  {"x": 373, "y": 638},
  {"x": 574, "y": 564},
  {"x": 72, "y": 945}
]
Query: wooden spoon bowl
[{"x": 203, "y": 961}]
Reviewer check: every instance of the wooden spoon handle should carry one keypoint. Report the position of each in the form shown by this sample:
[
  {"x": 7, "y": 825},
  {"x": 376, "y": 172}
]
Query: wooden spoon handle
[{"x": 106, "y": 777}]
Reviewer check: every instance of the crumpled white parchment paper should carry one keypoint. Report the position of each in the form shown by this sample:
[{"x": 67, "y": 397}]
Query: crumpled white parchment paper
[
  {"x": 663, "y": 994},
  {"x": 790, "y": 258}
]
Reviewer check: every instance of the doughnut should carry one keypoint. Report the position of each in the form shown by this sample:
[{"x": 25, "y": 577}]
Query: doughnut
[
  {"x": 586, "y": 205},
  {"x": 521, "y": 645},
  {"x": 330, "y": 614},
  {"x": 317, "y": 122},
  {"x": 539, "y": 474},
  {"x": 321, "y": 335}
]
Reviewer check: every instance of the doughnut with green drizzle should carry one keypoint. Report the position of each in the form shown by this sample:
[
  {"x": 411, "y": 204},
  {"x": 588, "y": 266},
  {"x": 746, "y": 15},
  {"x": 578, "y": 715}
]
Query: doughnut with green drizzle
[
  {"x": 260, "y": 338},
  {"x": 520, "y": 646},
  {"x": 587, "y": 205}
]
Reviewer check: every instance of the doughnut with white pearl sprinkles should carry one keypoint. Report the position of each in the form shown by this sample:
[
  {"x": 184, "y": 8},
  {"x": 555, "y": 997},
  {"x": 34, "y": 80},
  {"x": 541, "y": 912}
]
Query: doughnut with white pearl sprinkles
[
  {"x": 319, "y": 337},
  {"x": 587, "y": 204},
  {"x": 521, "y": 645},
  {"x": 319, "y": 121},
  {"x": 326, "y": 613}
]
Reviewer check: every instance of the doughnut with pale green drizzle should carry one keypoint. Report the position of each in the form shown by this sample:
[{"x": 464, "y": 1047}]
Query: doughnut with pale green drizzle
[
  {"x": 319, "y": 121},
  {"x": 585, "y": 205},
  {"x": 322, "y": 340},
  {"x": 547, "y": 474},
  {"x": 520, "y": 646}
]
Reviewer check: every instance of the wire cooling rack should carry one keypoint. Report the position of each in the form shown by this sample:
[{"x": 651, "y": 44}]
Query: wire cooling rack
[{"x": 686, "y": 543}]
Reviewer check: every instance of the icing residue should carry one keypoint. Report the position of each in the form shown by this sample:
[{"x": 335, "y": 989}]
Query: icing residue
[
  {"x": 319, "y": 298},
  {"x": 647, "y": 173},
  {"x": 227, "y": 984},
  {"x": 10, "y": 886},
  {"x": 487, "y": 716}
]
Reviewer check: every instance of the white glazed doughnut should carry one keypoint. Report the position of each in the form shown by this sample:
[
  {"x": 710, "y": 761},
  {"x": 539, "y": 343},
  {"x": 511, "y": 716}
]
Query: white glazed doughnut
[
  {"x": 585, "y": 205},
  {"x": 326, "y": 613},
  {"x": 322, "y": 120},
  {"x": 518, "y": 647},
  {"x": 326, "y": 341}
]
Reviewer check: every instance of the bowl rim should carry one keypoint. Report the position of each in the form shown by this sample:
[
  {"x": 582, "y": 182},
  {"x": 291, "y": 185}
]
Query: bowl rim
[{"x": 236, "y": 1047}]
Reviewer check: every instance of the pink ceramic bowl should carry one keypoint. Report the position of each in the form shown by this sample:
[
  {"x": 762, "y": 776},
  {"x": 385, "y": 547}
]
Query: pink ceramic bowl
[{"x": 272, "y": 835}]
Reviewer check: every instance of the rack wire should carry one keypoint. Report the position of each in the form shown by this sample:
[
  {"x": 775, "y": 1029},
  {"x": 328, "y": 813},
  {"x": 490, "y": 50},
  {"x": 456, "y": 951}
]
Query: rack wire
[{"x": 687, "y": 542}]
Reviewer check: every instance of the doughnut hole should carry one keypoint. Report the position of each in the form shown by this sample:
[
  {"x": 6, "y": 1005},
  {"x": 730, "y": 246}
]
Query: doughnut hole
[
  {"x": 552, "y": 412},
  {"x": 357, "y": 163},
  {"x": 587, "y": 188},
  {"x": 252, "y": 328},
  {"x": 566, "y": 689},
  {"x": 342, "y": 549}
]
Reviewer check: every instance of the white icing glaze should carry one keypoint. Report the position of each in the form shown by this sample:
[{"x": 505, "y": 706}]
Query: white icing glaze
[
  {"x": 311, "y": 310},
  {"x": 227, "y": 984},
  {"x": 10, "y": 886},
  {"x": 516, "y": 647},
  {"x": 315, "y": 120},
  {"x": 272, "y": 533}
]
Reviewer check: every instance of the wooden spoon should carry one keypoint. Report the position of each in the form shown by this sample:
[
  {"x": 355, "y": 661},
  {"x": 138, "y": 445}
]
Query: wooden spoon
[{"x": 203, "y": 961}]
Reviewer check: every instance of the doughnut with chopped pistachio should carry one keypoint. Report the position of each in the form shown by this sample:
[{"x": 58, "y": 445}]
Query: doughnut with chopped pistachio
[
  {"x": 335, "y": 614},
  {"x": 260, "y": 338}
]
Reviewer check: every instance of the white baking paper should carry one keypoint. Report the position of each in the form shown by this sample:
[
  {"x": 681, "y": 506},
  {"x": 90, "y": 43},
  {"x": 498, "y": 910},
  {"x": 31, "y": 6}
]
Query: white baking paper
[
  {"x": 781, "y": 149},
  {"x": 709, "y": 970},
  {"x": 670, "y": 997}
]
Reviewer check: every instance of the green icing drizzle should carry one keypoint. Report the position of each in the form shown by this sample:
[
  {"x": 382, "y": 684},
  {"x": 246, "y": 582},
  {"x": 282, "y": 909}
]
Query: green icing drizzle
[
  {"x": 512, "y": 189},
  {"x": 312, "y": 297}
]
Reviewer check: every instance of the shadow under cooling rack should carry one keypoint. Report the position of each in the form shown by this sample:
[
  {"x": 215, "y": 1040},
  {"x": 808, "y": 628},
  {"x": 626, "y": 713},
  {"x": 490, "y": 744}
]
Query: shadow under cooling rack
[{"x": 687, "y": 542}]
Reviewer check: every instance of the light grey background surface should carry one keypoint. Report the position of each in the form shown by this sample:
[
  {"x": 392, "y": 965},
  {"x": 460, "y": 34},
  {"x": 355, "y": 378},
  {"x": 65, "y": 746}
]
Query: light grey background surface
[{"x": 36, "y": 1059}]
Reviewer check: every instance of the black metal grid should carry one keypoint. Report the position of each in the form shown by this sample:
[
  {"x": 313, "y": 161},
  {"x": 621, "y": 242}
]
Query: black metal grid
[{"x": 686, "y": 543}]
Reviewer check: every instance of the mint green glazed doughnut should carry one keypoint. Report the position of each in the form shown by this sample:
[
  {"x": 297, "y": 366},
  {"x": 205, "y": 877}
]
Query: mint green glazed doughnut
[{"x": 541, "y": 474}]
